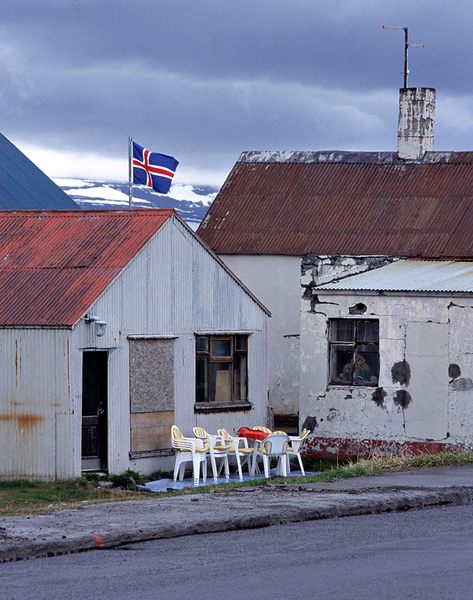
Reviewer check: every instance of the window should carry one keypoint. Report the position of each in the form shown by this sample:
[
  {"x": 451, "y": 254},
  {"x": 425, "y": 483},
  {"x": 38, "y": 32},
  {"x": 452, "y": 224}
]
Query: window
[
  {"x": 151, "y": 395},
  {"x": 354, "y": 352},
  {"x": 221, "y": 368}
]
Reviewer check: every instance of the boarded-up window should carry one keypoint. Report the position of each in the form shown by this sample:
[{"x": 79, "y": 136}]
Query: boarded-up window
[{"x": 151, "y": 393}]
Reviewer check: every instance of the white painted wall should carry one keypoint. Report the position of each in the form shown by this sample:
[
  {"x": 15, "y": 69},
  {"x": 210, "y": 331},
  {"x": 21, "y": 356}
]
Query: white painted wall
[
  {"x": 275, "y": 280},
  {"x": 430, "y": 333}
]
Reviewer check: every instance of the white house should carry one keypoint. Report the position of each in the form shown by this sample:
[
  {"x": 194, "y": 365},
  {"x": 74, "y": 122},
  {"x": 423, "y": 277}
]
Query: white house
[
  {"x": 113, "y": 326},
  {"x": 289, "y": 222},
  {"x": 386, "y": 360}
]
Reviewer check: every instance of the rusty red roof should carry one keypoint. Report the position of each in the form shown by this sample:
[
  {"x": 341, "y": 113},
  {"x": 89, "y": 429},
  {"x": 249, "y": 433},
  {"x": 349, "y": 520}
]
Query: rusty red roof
[
  {"x": 344, "y": 203},
  {"x": 55, "y": 264}
]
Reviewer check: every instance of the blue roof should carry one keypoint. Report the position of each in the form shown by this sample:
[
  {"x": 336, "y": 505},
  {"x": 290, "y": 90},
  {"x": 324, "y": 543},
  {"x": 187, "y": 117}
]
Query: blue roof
[{"x": 25, "y": 187}]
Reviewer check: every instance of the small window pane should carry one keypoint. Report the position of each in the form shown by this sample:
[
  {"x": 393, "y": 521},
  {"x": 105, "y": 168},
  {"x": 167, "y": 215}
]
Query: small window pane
[
  {"x": 240, "y": 343},
  {"x": 202, "y": 343},
  {"x": 366, "y": 365},
  {"x": 367, "y": 331},
  {"x": 220, "y": 382},
  {"x": 240, "y": 376},
  {"x": 341, "y": 363},
  {"x": 342, "y": 330},
  {"x": 221, "y": 348},
  {"x": 201, "y": 387}
]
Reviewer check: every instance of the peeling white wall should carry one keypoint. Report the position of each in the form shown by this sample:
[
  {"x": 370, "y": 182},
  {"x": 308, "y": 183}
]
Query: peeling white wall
[{"x": 432, "y": 333}]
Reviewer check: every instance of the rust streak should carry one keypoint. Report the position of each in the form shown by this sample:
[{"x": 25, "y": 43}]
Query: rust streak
[{"x": 25, "y": 421}]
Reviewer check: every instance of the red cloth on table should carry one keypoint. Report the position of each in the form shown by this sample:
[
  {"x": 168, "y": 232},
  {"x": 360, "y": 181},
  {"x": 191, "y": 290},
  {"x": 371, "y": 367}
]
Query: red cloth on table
[{"x": 252, "y": 434}]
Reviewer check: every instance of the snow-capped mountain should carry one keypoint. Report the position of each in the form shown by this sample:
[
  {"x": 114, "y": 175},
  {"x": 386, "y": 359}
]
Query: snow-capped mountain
[{"x": 190, "y": 201}]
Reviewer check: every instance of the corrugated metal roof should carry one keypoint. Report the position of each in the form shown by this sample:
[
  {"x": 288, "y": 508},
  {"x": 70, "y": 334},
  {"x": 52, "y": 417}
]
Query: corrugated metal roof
[
  {"x": 344, "y": 203},
  {"x": 410, "y": 276},
  {"x": 25, "y": 187},
  {"x": 54, "y": 265}
]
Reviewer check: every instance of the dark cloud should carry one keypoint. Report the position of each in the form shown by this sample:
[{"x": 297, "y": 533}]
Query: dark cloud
[{"x": 205, "y": 79}]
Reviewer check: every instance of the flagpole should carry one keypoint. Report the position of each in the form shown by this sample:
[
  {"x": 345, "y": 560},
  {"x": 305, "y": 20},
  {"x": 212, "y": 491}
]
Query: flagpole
[{"x": 130, "y": 145}]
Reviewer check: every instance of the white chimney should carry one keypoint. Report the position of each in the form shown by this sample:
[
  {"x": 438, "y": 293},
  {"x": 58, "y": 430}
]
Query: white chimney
[{"x": 415, "y": 130}]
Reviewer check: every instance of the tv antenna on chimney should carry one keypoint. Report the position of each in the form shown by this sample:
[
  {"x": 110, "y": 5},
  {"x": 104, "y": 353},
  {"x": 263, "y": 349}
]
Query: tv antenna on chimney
[{"x": 407, "y": 45}]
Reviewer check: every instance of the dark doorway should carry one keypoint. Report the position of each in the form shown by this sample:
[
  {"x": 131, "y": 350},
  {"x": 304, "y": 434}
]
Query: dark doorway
[{"x": 94, "y": 410}]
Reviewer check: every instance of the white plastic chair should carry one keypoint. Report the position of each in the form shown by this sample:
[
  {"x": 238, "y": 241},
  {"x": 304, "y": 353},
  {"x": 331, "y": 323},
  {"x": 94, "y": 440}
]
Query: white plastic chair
[
  {"x": 294, "y": 449},
  {"x": 217, "y": 451},
  {"x": 233, "y": 444},
  {"x": 189, "y": 450},
  {"x": 274, "y": 446}
]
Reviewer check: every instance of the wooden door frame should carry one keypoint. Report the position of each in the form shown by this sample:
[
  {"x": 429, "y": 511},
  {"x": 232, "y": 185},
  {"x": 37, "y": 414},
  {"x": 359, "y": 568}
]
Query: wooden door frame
[{"x": 97, "y": 462}]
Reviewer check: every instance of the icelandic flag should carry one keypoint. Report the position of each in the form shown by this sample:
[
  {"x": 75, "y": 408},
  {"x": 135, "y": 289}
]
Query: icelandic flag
[{"x": 153, "y": 169}]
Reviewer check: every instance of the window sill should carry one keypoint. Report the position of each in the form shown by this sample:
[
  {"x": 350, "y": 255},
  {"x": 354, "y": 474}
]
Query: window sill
[
  {"x": 352, "y": 386},
  {"x": 213, "y": 407}
]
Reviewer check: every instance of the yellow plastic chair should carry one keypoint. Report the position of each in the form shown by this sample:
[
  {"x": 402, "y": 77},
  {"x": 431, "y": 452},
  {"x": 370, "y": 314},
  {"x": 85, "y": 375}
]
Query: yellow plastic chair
[
  {"x": 237, "y": 447},
  {"x": 262, "y": 428},
  {"x": 217, "y": 451},
  {"x": 189, "y": 450}
]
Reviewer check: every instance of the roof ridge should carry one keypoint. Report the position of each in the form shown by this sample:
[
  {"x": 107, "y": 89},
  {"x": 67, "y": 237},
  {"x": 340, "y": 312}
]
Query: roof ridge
[
  {"x": 352, "y": 157},
  {"x": 115, "y": 212}
]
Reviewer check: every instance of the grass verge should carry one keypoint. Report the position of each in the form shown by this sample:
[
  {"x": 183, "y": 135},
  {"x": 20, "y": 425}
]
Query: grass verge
[
  {"x": 385, "y": 464},
  {"x": 30, "y": 497}
]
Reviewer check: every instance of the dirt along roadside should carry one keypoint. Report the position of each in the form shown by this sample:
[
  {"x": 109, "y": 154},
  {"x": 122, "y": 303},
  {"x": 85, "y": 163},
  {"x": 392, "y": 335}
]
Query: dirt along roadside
[{"x": 109, "y": 524}]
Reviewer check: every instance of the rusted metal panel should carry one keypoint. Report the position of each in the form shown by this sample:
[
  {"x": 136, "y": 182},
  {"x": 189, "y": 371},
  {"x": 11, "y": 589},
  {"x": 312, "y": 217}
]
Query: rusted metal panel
[
  {"x": 53, "y": 265},
  {"x": 345, "y": 203}
]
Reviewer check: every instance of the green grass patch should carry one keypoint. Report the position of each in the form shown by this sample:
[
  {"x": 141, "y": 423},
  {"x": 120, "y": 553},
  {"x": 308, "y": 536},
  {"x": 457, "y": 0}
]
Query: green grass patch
[{"x": 27, "y": 497}]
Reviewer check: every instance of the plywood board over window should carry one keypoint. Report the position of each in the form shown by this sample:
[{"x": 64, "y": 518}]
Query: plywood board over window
[{"x": 151, "y": 393}]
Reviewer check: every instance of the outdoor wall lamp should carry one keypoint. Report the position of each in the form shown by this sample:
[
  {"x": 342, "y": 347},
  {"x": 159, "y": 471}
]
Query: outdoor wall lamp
[{"x": 99, "y": 325}]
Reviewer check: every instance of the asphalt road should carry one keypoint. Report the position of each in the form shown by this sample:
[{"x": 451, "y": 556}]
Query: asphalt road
[{"x": 425, "y": 555}]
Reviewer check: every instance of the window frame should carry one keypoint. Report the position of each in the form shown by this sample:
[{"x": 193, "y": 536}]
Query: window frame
[
  {"x": 358, "y": 348},
  {"x": 239, "y": 343}
]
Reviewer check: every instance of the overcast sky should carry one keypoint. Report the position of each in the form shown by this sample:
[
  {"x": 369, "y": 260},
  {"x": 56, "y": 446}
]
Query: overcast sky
[{"x": 203, "y": 80}]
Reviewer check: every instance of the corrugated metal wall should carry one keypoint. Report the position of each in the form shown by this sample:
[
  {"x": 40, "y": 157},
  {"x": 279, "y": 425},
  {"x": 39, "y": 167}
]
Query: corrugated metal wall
[{"x": 37, "y": 416}]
